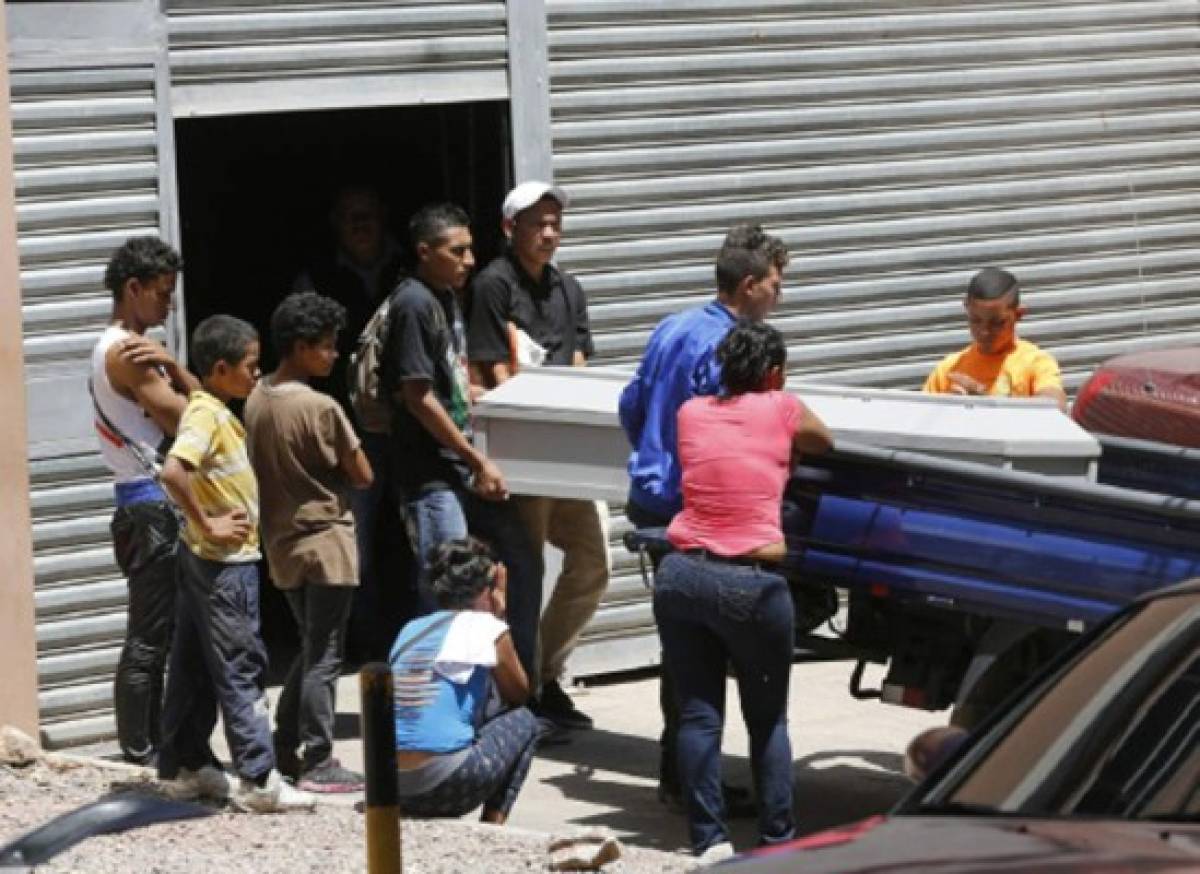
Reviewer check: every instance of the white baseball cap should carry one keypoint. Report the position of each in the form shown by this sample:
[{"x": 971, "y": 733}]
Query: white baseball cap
[{"x": 527, "y": 194}]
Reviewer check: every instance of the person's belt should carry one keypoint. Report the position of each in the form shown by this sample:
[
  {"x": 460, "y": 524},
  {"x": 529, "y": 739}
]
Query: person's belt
[{"x": 747, "y": 561}]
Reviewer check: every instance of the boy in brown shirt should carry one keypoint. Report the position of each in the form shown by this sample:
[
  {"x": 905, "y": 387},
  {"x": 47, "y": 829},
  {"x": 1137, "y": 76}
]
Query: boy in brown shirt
[{"x": 307, "y": 457}]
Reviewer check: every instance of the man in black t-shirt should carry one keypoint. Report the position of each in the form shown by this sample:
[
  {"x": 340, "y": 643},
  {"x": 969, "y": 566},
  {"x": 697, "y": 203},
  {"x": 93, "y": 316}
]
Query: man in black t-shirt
[
  {"x": 449, "y": 487},
  {"x": 523, "y": 291}
]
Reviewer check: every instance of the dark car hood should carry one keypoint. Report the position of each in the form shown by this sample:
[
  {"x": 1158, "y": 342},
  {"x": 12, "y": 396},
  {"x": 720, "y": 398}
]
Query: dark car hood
[{"x": 982, "y": 845}]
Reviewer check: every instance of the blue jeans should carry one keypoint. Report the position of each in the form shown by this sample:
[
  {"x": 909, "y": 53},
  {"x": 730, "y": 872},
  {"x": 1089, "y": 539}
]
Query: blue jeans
[
  {"x": 217, "y": 660},
  {"x": 711, "y": 613},
  {"x": 446, "y": 514}
]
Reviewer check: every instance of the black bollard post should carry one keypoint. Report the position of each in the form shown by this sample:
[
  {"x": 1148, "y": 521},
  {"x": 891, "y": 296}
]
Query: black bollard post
[{"x": 379, "y": 762}]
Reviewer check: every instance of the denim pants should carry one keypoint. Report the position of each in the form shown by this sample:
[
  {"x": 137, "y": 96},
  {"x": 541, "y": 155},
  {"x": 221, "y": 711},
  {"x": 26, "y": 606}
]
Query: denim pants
[
  {"x": 306, "y": 708},
  {"x": 217, "y": 661},
  {"x": 145, "y": 538},
  {"x": 492, "y": 775},
  {"x": 444, "y": 514},
  {"x": 711, "y": 613}
]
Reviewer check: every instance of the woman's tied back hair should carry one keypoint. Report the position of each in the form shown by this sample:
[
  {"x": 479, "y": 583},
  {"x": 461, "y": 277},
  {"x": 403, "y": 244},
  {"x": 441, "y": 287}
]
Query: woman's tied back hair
[
  {"x": 459, "y": 570},
  {"x": 747, "y": 354}
]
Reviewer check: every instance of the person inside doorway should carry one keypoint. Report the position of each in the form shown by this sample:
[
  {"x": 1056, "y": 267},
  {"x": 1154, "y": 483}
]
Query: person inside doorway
[
  {"x": 359, "y": 272},
  {"x": 139, "y": 392}
]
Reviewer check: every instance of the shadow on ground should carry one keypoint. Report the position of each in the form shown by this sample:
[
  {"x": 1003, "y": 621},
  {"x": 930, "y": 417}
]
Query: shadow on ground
[{"x": 831, "y": 788}]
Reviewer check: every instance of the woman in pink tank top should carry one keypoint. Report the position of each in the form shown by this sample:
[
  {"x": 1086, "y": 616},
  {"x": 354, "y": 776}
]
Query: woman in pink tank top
[{"x": 719, "y": 599}]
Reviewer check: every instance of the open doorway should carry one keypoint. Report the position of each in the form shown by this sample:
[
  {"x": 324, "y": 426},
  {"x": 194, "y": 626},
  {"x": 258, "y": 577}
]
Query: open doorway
[{"x": 255, "y": 194}]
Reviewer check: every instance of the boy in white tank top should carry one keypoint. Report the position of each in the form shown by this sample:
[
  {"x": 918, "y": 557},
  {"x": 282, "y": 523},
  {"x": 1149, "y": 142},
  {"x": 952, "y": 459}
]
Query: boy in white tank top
[{"x": 139, "y": 392}]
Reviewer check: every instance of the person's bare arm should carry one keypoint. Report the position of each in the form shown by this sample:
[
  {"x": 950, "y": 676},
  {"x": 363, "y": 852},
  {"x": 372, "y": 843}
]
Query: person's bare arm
[
  {"x": 812, "y": 437},
  {"x": 579, "y": 359},
  {"x": 417, "y": 396},
  {"x": 1053, "y": 391},
  {"x": 493, "y": 373},
  {"x": 230, "y": 528},
  {"x": 357, "y": 469},
  {"x": 133, "y": 372},
  {"x": 511, "y": 681}
]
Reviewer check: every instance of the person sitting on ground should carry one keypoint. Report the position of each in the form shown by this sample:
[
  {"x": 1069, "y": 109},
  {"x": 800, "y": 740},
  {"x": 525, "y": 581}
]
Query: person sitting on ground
[
  {"x": 451, "y": 757},
  {"x": 217, "y": 657},
  {"x": 718, "y": 599},
  {"x": 996, "y": 362},
  {"x": 308, "y": 459}
]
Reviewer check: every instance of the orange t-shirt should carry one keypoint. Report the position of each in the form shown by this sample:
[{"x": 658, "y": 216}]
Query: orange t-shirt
[{"x": 1021, "y": 372}]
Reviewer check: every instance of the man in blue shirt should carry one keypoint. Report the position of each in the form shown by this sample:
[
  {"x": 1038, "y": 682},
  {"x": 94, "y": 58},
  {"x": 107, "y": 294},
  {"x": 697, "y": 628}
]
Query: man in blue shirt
[{"x": 680, "y": 363}]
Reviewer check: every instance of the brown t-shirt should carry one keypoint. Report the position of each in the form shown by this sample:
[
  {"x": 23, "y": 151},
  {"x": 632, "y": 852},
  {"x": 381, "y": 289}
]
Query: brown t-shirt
[{"x": 297, "y": 438}]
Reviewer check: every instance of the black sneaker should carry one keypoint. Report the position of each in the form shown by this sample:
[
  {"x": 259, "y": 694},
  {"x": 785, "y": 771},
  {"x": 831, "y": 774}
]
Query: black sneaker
[
  {"x": 330, "y": 777},
  {"x": 556, "y": 705}
]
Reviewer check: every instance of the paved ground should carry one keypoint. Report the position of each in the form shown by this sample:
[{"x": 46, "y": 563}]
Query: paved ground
[{"x": 847, "y": 755}]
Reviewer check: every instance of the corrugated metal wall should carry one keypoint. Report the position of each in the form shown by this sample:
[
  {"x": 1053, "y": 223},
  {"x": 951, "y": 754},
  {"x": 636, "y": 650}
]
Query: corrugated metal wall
[
  {"x": 237, "y": 56},
  {"x": 897, "y": 146},
  {"x": 87, "y": 178}
]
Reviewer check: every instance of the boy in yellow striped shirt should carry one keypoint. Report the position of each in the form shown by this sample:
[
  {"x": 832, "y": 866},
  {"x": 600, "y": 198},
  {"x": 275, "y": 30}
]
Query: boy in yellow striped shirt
[{"x": 217, "y": 657}]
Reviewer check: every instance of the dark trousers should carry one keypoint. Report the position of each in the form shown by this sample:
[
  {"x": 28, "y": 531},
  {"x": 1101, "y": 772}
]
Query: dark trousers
[
  {"x": 145, "y": 537},
  {"x": 668, "y": 770},
  {"x": 217, "y": 661},
  {"x": 446, "y": 514},
  {"x": 306, "y": 709},
  {"x": 710, "y": 614},
  {"x": 492, "y": 775}
]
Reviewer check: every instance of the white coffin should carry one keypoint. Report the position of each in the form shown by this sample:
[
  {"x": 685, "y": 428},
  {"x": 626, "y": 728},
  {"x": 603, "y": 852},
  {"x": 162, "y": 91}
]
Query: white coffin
[{"x": 554, "y": 431}]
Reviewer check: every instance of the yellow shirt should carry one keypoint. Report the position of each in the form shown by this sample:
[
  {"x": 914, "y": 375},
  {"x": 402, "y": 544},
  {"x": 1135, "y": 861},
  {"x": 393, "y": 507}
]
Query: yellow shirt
[
  {"x": 1021, "y": 372},
  {"x": 212, "y": 441}
]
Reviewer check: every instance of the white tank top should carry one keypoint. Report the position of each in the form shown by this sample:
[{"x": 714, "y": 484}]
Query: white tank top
[{"x": 132, "y": 421}]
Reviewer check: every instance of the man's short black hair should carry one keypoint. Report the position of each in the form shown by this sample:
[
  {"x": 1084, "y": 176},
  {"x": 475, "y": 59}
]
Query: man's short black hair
[
  {"x": 141, "y": 258},
  {"x": 220, "y": 338},
  {"x": 459, "y": 570},
  {"x": 432, "y": 222},
  {"x": 747, "y": 354},
  {"x": 306, "y": 316},
  {"x": 992, "y": 283},
  {"x": 748, "y": 250}
]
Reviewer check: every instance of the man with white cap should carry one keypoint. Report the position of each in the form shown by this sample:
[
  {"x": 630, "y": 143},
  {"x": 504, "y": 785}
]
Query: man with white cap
[{"x": 522, "y": 291}]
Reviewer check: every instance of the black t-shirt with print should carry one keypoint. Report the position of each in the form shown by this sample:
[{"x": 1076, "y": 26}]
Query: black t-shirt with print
[
  {"x": 553, "y": 311},
  {"x": 426, "y": 341}
]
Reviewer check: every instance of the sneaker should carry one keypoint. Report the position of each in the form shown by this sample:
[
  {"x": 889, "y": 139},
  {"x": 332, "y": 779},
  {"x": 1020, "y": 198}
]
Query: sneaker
[
  {"x": 555, "y": 704},
  {"x": 330, "y": 776},
  {"x": 717, "y": 853},
  {"x": 276, "y": 796},
  {"x": 208, "y": 781}
]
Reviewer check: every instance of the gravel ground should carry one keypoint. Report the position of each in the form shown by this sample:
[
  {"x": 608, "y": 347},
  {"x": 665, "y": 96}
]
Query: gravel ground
[{"x": 327, "y": 841}]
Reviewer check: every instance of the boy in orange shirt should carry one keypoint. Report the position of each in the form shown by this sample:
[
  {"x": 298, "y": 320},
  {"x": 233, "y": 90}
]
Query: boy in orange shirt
[{"x": 996, "y": 362}]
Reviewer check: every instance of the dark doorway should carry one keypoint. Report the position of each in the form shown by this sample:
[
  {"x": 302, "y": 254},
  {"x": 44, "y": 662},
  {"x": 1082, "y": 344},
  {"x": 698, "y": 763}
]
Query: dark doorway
[{"x": 255, "y": 194}]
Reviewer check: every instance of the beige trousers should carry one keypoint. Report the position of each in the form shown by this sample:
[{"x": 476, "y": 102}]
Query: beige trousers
[{"x": 579, "y": 529}]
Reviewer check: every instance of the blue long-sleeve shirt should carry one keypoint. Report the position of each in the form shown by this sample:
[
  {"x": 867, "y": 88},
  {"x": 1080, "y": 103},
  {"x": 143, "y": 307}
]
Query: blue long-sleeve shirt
[{"x": 679, "y": 364}]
